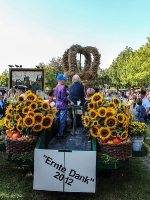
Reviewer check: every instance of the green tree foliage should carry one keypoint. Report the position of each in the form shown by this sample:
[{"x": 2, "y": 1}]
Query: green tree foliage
[
  {"x": 103, "y": 79},
  {"x": 4, "y": 77},
  {"x": 118, "y": 70},
  {"x": 56, "y": 65},
  {"x": 50, "y": 77}
]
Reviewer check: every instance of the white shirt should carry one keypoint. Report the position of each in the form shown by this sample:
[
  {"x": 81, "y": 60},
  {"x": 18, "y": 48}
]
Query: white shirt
[{"x": 145, "y": 102}]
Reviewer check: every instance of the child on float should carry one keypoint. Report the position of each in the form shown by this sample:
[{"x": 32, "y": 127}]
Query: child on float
[{"x": 62, "y": 103}]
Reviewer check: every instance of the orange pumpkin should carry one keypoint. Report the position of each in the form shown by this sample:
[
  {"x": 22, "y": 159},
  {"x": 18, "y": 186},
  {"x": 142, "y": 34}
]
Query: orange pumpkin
[
  {"x": 9, "y": 133},
  {"x": 110, "y": 142}
]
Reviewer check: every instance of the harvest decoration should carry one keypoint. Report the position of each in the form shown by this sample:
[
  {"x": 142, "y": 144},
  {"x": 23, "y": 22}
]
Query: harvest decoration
[
  {"x": 28, "y": 115},
  {"x": 107, "y": 120},
  {"x": 90, "y": 67}
]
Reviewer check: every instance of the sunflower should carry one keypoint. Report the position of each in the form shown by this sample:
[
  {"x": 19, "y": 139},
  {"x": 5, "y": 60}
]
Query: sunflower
[
  {"x": 11, "y": 126},
  {"x": 30, "y": 113},
  {"x": 40, "y": 99},
  {"x": 110, "y": 112},
  {"x": 16, "y": 116},
  {"x": 45, "y": 106},
  {"x": 18, "y": 107},
  {"x": 92, "y": 113},
  {"x": 124, "y": 135},
  {"x": 86, "y": 121},
  {"x": 96, "y": 97},
  {"x": 110, "y": 122},
  {"x": 99, "y": 103},
  {"x": 104, "y": 133},
  {"x": 37, "y": 127},
  {"x": 95, "y": 123},
  {"x": 25, "y": 110},
  {"x": 9, "y": 109},
  {"x": 6, "y": 123},
  {"x": 116, "y": 100},
  {"x": 38, "y": 117},
  {"x": 90, "y": 105},
  {"x": 127, "y": 111},
  {"x": 27, "y": 103},
  {"x": 20, "y": 99},
  {"x": 47, "y": 121},
  {"x": 125, "y": 125},
  {"x": 28, "y": 121},
  {"x": 27, "y": 93},
  {"x": 20, "y": 121},
  {"x": 120, "y": 117},
  {"x": 53, "y": 111},
  {"x": 102, "y": 112},
  {"x": 19, "y": 128},
  {"x": 31, "y": 97},
  {"x": 8, "y": 116},
  {"x": 33, "y": 106},
  {"x": 114, "y": 133},
  {"x": 94, "y": 131},
  {"x": 112, "y": 104}
]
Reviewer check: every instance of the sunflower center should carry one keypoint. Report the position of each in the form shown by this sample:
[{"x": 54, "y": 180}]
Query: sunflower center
[{"x": 111, "y": 122}]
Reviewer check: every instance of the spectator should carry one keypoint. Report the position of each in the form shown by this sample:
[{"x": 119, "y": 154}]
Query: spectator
[
  {"x": 145, "y": 102},
  {"x": 2, "y": 109},
  {"x": 140, "y": 112}
]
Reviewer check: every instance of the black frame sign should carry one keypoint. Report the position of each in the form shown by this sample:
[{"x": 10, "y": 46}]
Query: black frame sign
[{"x": 26, "y": 76}]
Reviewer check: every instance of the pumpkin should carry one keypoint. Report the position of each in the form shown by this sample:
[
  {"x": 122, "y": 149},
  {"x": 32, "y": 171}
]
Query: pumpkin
[{"x": 9, "y": 133}]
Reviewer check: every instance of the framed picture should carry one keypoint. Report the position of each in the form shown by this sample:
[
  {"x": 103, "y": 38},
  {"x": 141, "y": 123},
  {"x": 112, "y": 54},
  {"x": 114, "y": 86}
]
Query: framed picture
[{"x": 27, "y": 76}]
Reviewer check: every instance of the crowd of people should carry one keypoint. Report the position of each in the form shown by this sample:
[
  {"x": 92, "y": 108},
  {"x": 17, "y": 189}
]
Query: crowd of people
[{"x": 76, "y": 93}]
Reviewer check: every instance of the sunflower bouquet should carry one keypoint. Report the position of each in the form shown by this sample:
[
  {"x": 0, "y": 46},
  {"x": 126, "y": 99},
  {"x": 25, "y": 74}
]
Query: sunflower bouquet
[
  {"x": 137, "y": 129},
  {"x": 107, "y": 120},
  {"x": 28, "y": 115}
]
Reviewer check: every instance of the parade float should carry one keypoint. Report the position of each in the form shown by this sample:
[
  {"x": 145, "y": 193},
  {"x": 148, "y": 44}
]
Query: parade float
[{"x": 70, "y": 164}]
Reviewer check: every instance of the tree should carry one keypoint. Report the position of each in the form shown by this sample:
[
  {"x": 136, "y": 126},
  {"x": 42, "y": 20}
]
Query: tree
[
  {"x": 50, "y": 77},
  {"x": 4, "y": 78},
  {"x": 103, "y": 79},
  {"x": 56, "y": 65},
  {"x": 118, "y": 71}
]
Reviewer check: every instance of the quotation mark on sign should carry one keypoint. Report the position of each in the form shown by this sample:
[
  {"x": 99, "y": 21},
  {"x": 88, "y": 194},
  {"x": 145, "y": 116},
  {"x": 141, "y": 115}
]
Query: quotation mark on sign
[
  {"x": 92, "y": 179},
  {"x": 45, "y": 156}
]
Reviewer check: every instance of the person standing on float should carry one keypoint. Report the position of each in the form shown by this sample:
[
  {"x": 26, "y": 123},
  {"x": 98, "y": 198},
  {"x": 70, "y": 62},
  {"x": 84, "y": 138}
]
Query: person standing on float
[{"x": 62, "y": 103}]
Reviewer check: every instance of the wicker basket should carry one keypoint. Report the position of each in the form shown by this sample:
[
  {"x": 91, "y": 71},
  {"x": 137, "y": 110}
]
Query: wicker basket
[
  {"x": 121, "y": 151},
  {"x": 19, "y": 145}
]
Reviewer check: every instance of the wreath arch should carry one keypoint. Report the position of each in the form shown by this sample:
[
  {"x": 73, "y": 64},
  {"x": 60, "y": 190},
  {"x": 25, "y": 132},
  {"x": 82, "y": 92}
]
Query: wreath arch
[{"x": 90, "y": 69}]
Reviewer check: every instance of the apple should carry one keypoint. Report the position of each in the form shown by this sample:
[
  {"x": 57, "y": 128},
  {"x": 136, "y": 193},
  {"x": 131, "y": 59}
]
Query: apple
[
  {"x": 116, "y": 140},
  {"x": 16, "y": 135}
]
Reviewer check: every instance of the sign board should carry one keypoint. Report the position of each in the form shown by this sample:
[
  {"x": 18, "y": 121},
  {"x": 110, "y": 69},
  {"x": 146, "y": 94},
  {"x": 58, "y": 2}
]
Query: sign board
[{"x": 64, "y": 171}]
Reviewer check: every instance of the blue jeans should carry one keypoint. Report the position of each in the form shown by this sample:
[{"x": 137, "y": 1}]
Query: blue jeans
[{"x": 62, "y": 114}]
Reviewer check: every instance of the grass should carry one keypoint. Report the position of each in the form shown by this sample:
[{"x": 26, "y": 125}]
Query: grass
[{"x": 129, "y": 182}]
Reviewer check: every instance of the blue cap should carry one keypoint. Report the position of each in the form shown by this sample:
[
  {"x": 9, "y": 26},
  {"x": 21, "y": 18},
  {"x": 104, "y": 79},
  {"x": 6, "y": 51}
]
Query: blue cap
[{"x": 61, "y": 77}]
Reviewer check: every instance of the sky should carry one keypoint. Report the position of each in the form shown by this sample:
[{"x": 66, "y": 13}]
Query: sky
[{"x": 34, "y": 31}]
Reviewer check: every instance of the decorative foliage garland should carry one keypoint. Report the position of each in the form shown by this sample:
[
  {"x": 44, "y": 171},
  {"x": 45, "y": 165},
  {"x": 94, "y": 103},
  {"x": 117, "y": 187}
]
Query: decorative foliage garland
[
  {"x": 70, "y": 65},
  {"x": 107, "y": 120}
]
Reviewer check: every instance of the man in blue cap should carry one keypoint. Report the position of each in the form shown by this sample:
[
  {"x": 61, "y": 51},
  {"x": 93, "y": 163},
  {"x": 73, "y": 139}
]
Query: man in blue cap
[{"x": 62, "y": 102}]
